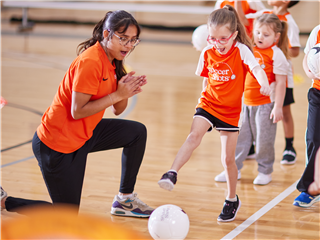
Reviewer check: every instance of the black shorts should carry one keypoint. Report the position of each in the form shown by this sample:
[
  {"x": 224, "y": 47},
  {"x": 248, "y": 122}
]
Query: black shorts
[
  {"x": 215, "y": 122},
  {"x": 288, "y": 99}
]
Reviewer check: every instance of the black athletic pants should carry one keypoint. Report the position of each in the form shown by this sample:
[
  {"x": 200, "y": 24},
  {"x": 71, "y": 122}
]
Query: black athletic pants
[
  {"x": 312, "y": 138},
  {"x": 64, "y": 173}
]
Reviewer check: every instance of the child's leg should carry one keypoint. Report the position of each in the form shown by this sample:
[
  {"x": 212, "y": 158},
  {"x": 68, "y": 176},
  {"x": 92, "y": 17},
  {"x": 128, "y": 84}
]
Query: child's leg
[
  {"x": 198, "y": 128},
  {"x": 266, "y": 134},
  {"x": 228, "y": 149},
  {"x": 288, "y": 126},
  {"x": 245, "y": 138}
]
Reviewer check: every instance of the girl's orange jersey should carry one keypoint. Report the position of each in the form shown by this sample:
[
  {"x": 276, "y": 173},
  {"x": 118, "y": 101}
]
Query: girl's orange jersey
[
  {"x": 272, "y": 61},
  {"x": 90, "y": 73},
  {"x": 313, "y": 39},
  {"x": 226, "y": 75},
  {"x": 248, "y": 6}
]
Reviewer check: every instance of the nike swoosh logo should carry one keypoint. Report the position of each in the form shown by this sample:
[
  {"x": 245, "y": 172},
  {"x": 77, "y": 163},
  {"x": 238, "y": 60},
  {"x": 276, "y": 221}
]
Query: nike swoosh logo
[
  {"x": 129, "y": 207},
  {"x": 104, "y": 79}
]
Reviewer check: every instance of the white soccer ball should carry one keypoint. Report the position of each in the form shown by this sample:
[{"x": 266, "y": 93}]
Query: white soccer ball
[
  {"x": 313, "y": 60},
  {"x": 168, "y": 222},
  {"x": 199, "y": 37}
]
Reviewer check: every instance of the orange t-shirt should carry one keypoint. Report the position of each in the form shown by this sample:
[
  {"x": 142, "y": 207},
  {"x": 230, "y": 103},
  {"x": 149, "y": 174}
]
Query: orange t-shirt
[
  {"x": 313, "y": 39},
  {"x": 226, "y": 75},
  {"x": 90, "y": 73},
  {"x": 272, "y": 61}
]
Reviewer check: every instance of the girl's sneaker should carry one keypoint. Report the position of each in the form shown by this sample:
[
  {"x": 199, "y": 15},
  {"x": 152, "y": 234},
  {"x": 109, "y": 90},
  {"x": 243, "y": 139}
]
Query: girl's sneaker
[
  {"x": 168, "y": 180},
  {"x": 229, "y": 210},
  {"x": 289, "y": 156},
  {"x": 130, "y": 207}
]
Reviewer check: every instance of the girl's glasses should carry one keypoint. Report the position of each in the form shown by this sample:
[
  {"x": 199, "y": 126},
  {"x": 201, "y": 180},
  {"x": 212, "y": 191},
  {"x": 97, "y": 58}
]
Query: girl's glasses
[
  {"x": 221, "y": 41},
  {"x": 124, "y": 41}
]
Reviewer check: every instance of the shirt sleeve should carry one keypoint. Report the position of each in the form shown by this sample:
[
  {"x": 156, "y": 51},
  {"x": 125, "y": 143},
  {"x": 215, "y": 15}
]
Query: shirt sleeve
[
  {"x": 87, "y": 76},
  {"x": 280, "y": 62},
  {"x": 202, "y": 70},
  {"x": 247, "y": 56},
  {"x": 312, "y": 40},
  {"x": 293, "y": 32}
]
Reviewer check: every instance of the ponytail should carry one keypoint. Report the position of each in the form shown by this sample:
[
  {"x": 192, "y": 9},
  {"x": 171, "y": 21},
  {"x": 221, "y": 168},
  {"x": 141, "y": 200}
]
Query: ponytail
[
  {"x": 229, "y": 16},
  {"x": 283, "y": 40},
  {"x": 116, "y": 21},
  {"x": 97, "y": 35}
]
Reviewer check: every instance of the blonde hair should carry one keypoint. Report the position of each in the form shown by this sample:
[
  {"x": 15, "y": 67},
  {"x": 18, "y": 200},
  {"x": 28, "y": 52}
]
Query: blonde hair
[
  {"x": 228, "y": 16},
  {"x": 277, "y": 26}
]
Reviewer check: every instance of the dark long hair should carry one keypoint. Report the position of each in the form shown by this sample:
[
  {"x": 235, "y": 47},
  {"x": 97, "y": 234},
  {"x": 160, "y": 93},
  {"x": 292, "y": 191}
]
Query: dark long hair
[
  {"x": 228, "y": 16},
  {"x": 112, "y": 22}
]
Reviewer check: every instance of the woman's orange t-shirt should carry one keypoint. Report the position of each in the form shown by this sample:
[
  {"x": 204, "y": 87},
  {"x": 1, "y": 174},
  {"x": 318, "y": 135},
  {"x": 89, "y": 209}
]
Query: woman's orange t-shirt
[{"x": 90, "y": 73}]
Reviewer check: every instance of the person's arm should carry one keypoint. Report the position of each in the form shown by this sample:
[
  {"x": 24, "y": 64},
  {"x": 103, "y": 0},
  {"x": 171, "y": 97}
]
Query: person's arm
[
  {"x": 239, "y": 9},
  {"x": 294, "y": 52},
  {"x": 128, "y": 86},
  {"x": 280, "y": 91},
  {"x": 262, "y": 79}
]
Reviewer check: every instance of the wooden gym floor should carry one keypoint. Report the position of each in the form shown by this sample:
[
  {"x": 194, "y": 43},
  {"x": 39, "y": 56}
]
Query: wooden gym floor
[{"x": 34, "y": 63}]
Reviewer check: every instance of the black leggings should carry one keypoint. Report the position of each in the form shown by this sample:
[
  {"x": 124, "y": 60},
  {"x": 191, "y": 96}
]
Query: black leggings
[
  {"x": 64, "y": 173},
  {"x": 312, "y": 138}
]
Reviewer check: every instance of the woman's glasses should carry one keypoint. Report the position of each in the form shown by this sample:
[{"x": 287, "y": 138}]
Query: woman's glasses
[
  {"x": 221, "y": 41},
  {"x": 124, "y": 41}
]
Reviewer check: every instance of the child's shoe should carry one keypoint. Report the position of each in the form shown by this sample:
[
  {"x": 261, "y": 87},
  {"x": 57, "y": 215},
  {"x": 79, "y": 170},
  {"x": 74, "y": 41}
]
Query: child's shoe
[
  {"x": 130, "y": 207},
  {"x": 262, "y": 179},
  {"x": 289, "y": 156},
  {"x": 229, "y": 210},
  {"x": 168, "y": 180}
]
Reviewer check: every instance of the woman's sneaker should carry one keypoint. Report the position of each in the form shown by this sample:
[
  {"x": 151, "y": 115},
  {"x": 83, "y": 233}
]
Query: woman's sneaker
[
  {"x": 306, "y": 200},
  {"x": 3, "y": 195},
  {"x": 229, "y": 210},
  {"x": 222, "y": 177},
  {"x": 130, "y": 207},
  {"x": 168, "y": 180}
]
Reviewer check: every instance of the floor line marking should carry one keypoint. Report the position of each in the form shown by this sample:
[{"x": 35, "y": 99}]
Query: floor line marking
[
  {"x": 21, "y": 160},
  {"x": 253, "y": 218}
]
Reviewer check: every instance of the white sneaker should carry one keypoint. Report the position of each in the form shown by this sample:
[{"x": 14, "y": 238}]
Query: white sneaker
[
  {"x": 262, "y": 179},
  {"x": 3, "y": 195},
  {"x": 222, "y": 177}
]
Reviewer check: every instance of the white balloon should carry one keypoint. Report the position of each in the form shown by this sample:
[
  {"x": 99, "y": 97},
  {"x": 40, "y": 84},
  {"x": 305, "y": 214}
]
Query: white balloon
[{"x": 199, "y": 37}]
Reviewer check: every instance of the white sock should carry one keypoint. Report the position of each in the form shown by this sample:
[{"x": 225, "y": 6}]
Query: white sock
[
  {"x": 171, "y": 170},
  {"x": 123, "y": 197},
  {"x": 232, "y": 199}
]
